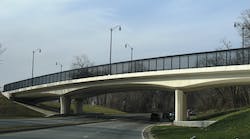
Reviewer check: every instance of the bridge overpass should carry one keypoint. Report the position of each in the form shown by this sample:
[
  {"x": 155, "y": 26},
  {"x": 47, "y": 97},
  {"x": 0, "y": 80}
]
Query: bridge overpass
[{"x": 182, "y": 73}]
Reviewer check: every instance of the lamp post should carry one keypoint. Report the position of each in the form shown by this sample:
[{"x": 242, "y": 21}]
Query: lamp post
[
  {"x": 132, "y": 49},
  {"x": 243, "y": 32},
  {"x": 110, "y": 49},
  {"x": 131, "y": 54},
  {"x": 33, "y": 60},
  {"x": 59, "y": 64}
]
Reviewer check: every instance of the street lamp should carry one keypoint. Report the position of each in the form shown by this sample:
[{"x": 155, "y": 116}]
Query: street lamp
[
  {"x": 110, "y": 52},
  {"x": 243, "y": 32},
  {"x": 33, "y": 60},
  {"x": 59, "y": 64},
  {"x": 131, "y": 55},
  {"x": 132, "y": 49}
]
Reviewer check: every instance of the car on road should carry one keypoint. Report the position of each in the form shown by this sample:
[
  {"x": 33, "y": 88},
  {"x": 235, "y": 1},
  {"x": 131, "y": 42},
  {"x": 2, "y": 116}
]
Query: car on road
[
  {"x": 155, "y": 116},
  {"x": 168, "y": 116}
]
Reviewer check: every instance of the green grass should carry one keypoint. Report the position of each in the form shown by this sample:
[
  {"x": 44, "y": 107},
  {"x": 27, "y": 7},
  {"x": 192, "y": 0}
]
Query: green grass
[
  {"x": 229, "y": 126},
  {"x": 100, "y": 109},
  {"x": 88, "y": 108},
  {"x": 9, "y": 109},
  {"x": 230, "y": 113},
  {"x": 215, "y": 114}
]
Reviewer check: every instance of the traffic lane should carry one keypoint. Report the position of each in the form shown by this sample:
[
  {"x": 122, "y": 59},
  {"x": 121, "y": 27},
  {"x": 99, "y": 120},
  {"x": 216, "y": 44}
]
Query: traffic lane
[
  {"x": 26, "y": 122},
  {"x": 104, "y": 130}
]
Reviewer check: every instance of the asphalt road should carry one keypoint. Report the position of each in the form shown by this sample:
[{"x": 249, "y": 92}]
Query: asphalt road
[
  {"x": 12, "y": 123},
  {"x": 117, "y": 129}
]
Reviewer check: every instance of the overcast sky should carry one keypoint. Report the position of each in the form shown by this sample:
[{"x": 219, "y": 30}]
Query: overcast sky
[{"x": 67, "y": 28}]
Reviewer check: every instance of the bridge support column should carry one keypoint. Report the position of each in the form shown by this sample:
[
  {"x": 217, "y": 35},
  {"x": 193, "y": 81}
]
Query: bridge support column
[
  {"x": 65, "y": 102},
  {"x": 78, "y": 106},
  {"x": 180, "y": 106}
]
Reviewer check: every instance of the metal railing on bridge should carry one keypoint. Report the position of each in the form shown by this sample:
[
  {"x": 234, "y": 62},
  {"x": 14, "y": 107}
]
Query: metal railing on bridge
[{"x": 238, "y": 56}]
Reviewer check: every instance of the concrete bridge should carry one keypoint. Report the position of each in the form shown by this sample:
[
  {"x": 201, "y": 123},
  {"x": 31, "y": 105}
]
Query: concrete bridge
[{"x": 182, "y": 73}]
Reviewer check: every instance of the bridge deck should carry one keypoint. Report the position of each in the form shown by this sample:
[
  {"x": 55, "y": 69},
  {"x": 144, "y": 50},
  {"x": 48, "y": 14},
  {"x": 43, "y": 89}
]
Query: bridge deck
[{"x": 238, "y": 56}]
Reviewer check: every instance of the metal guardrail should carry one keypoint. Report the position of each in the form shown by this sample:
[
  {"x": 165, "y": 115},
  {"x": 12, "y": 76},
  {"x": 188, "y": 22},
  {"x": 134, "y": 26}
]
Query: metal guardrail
[{"x": 237, "y": 56}]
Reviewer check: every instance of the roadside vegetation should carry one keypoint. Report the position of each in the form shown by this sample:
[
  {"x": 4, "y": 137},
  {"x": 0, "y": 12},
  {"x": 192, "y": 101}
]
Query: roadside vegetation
[{"x": 229, "y": 126}]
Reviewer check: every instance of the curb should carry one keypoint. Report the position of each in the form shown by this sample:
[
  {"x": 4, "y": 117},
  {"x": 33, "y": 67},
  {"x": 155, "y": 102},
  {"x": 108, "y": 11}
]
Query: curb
[
  {"x": 146, "y": 132},
  {"x": 4, "y": 131}
]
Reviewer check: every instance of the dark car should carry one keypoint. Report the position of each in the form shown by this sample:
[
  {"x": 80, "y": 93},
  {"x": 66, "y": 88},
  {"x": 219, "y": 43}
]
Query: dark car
[
  {"x": 168, "y": 116},
  {"x": 155, "y": 116}
]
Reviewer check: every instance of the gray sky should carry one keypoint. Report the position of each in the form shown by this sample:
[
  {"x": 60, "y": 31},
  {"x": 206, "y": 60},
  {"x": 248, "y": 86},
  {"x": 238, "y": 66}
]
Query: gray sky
[{"x": 67, "y": 28}]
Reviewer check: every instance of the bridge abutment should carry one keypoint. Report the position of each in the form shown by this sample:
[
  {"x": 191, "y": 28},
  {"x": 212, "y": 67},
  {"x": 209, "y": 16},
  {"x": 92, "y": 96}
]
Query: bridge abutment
[
  {"x": 65, "y": 102},
  {"x": 78, "y": 106},
  {"x": 180, "y": 106}
]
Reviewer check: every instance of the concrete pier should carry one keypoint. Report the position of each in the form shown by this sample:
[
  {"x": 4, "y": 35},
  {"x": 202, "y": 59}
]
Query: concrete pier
[
  {"x": 78, "y": 106},
  {"x": 65, "y": 102},
  {"x": 180, "y": 106}
]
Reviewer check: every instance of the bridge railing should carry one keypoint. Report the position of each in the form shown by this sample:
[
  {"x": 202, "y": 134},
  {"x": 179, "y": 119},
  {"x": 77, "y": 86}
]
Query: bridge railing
[{"x": 194, "y": 60}]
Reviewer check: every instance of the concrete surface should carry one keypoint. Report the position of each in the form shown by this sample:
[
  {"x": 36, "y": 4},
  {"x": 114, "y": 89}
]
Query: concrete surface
[
  {"x": 47, "y": 113},
  {"x": 193, "y": 123},
  {"x": 180, "y": 105}
]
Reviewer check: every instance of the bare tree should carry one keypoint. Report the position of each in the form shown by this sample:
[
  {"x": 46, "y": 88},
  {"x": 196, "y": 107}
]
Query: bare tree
[
  {"x": 225, "y": 44},
  {"x": 81, "y": 62},
  {"x": 243, "y": 27}
]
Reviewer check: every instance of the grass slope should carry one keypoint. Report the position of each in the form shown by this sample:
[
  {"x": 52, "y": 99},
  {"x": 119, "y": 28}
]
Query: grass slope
[
  {"x": 9, "y": 109},
  {"x": 229, "y": 126},
  {"x": 87, "y": 108},
  {"x": 100, "y": 109},
  {"x": 215, "y": 114}
]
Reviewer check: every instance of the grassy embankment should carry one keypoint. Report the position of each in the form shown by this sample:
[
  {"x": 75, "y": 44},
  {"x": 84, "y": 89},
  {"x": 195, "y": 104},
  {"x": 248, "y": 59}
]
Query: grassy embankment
[
  {"x": 9, "y": 109},
  {"x": 229, "y": 126},
  {"x": 87, "y": 108}
]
